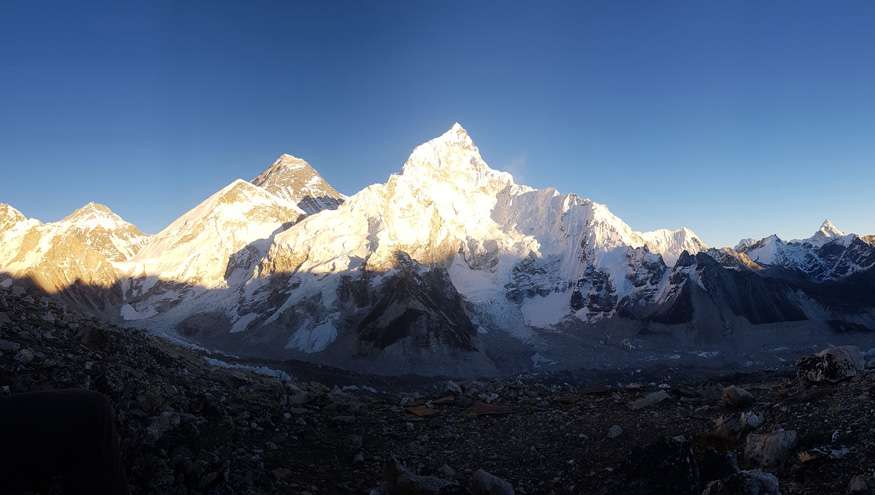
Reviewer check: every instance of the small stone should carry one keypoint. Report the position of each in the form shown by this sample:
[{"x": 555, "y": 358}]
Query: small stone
[
  {"x": 399, "y": 479},
  {"x": 615, "y": 431},
  {"x": 24, "y": 356},
  {"x": 736, "y": 397},
  {"x": 355, "y": 442},
  {"x": 751, "y": 420},
  {"x": 453, "y": 388},
  {"x": 770, "y": 449},
  {"x": 649, "y": 400},
  {"x": 6, "y": 345},
  {"x": 447, "y": 471},
  {"x": 858, "y": 484},
  {"x": 281, "y": 473},
  {"x": 484, "y": 483},
  {"x": 753, "y": 482}
]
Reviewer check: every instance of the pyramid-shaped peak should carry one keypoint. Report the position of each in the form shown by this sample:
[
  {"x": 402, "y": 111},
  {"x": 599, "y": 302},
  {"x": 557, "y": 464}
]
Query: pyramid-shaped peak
[
  {"x": 452, "y": 159},
  {"x": 829, "y": 229},
  {"x": 293, "y": 179},
  {"x": 96, "y": 215},
  {"x": 92, "y": 208},
  {"x": 290, "y": 161},
  {"x": 285, "y": 165},
  {"x": 456, "y": 134}
]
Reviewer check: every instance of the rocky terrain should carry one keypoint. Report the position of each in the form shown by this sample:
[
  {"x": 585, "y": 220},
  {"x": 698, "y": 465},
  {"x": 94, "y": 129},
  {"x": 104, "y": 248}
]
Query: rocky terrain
[{"x": 192, "y": 422}]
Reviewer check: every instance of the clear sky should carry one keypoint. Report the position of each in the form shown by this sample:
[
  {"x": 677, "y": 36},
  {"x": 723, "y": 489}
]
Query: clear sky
[{"x": 737, "y": 119}]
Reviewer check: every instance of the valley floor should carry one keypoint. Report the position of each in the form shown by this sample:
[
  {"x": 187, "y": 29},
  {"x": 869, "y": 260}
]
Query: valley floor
[{"x": 191, "y": 423}]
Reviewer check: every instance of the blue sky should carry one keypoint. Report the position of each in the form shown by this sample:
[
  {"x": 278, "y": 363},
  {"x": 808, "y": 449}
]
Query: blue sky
[{"x": 737, "y": 119}]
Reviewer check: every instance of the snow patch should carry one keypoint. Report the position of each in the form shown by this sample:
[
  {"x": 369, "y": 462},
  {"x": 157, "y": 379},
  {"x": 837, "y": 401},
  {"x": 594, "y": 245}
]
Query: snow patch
[
  {"x": 243, "y": 322},
  {"x": 546, "y": 311},
  {"x": 314, "y": 339},
  {"x": 129, "y": 313},
  {"x": 261, "y": 370}
]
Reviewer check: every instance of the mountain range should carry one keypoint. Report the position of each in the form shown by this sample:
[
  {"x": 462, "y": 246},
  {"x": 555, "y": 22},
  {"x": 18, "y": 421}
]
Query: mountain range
[{"x": 449, "y": 267}]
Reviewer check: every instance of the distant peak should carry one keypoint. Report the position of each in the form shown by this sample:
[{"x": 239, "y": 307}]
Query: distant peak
[
  {"x": 286, "y": 164},
  {"x": 9, "y": 210},
  {"x": 9, "y": 216},
  {"x": 91, "y": 208},
  {"x": 290, "y": 160},
  {"x": 293, "y": 179},
  {"x": 95, "y": 215},
  {"x": 829, "y": 229}
]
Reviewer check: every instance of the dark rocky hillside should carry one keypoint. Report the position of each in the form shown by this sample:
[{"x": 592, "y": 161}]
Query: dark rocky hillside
[{"x": 189, "y": 426}]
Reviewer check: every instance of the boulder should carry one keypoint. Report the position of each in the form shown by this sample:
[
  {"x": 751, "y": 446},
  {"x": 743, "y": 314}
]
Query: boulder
[
  {"x": 484, "y": 483},
  {"x": 667, "y": 466},
  {"x": 753, "y": 482},
  {"x": 858, "y": 484},
  {"x": 736, "y": 397},
  {"x": 650, "y": 399},
  {"x": 770, "y": 449},
  {"x": 831, "y": 365},
  {"x": 24, "y": 356},
  {"x": 401, "y": 481},
  {"x": 615, "y": 431}
]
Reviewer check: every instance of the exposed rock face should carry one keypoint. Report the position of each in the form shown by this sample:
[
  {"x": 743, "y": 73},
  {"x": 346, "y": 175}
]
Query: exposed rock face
[
  {"x": 422, "y": 307},
  {"x": 294, "y": 180}
]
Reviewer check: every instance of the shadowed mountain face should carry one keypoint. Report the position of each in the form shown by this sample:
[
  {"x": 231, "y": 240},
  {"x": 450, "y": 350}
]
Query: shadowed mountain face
[{"x": 449, "y": 266}]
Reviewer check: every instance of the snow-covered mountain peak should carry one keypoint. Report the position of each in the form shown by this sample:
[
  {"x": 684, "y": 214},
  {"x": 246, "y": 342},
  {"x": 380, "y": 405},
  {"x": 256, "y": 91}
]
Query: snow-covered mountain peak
[
  {"x": 296, "y": 181},
  {"x": 828, "y": 228},
  {"x": 826, "y": 233},
  {"x": 95, "y": 215},
  {"x": 9, "y": 217},
  {"x": 671, "y": 243},
  {"x": 452, "y": 159}
]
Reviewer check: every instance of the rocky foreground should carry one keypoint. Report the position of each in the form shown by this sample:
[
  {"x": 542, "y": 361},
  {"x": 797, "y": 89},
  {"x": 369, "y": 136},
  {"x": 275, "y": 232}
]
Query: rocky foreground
[{"x": 191, "y": 422}]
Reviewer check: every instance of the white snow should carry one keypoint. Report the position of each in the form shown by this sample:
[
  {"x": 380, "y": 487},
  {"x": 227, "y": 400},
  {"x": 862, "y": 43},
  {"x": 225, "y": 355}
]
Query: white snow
[
  {"x": 314, "y": 339},
  {"x": 546, "y": 311},
  {"x": 261, "y": 370},
  {"x": 128, "y": 313},
  {"x": 243, "y": 322}
]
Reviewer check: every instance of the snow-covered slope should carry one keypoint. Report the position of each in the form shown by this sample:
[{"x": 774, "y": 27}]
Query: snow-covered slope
[
  {"x": 827, "y": 232},
  {"x": 293, "y": 179},
  {"x": 231, "y": 225},
  {"x": 671, "y": 243}
]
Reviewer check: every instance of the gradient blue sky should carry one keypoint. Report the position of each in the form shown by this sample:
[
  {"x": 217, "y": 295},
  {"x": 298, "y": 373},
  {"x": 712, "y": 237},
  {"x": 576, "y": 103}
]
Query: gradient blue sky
[{"x": 737, "y": 119}]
